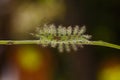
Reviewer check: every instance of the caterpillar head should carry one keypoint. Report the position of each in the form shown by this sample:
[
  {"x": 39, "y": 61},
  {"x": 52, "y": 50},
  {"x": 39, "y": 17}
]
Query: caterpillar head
[{"x": 62, "y": 37}]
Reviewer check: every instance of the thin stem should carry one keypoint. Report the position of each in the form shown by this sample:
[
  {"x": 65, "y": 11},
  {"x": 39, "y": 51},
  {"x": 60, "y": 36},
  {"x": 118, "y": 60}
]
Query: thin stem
[
  {"x": 17, "y": 42},
  {"x": 105, "y": 44},
  {"x": 20, "y": 42}
]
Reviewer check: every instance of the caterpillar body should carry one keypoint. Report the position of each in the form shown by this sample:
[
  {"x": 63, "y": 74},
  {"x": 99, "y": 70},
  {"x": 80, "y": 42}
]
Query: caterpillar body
[{"x": 62, "y": 37}]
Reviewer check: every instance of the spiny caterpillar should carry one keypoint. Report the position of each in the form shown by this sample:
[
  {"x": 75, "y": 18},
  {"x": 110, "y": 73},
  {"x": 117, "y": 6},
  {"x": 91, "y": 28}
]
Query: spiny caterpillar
[{"x": 62, "y": 37}]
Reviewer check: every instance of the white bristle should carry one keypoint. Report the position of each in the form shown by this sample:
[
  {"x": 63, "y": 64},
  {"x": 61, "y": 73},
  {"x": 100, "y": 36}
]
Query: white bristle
[
  {"x": 46, "y": 29},
  {"x": 60, "y": 47},
  {"x": 87, "y": 36},
  {"x": 53, "y": 44},
  {"x": 76, "y": 29},
  {"x": 52, "y": 29},
  {"x": 69, "y": 30},
  {"x": 63, "y": 32},
  {"x": 67, "y": 47},
  {"x": 74, "y": 47},
  {"x": 59, "y": 29},
  {"x": 82, "y": 30}
]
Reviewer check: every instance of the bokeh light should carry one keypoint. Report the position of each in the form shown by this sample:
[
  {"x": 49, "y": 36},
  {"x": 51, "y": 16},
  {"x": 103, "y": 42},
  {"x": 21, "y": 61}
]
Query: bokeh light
[
  {"x": 110, "y": 70},
  {"x": 29, "y": 58}
]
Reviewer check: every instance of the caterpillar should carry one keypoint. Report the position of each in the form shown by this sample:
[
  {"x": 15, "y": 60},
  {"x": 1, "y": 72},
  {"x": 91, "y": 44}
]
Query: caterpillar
[{"x": 65, "y": 38}]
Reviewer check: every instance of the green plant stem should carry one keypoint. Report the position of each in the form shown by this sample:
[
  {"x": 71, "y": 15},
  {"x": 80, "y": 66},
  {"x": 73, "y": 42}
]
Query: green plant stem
[
  {"x": 20, "y": 42},
  {"x": 105, "y": 44}
]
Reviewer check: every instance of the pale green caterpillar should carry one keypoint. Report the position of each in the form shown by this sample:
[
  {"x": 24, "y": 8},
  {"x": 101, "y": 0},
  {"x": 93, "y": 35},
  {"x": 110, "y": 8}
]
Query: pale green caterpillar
[{"x": 62, "y": 37}]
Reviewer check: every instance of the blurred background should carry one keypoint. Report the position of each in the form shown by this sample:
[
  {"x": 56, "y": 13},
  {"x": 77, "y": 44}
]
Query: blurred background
[{"x": 18, "y": 18}]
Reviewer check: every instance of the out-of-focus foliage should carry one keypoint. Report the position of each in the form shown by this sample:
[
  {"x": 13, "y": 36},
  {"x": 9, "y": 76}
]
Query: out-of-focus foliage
[{"x": 30, "y": 14}]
